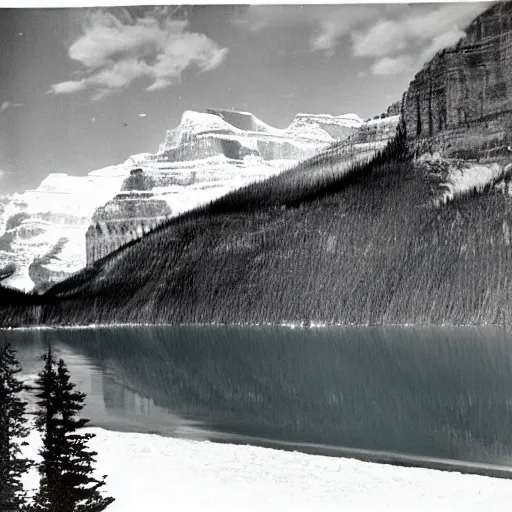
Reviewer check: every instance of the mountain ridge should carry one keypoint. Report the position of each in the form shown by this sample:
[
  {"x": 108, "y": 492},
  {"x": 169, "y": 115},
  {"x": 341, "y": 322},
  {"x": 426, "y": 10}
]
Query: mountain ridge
[{"x": 46, "y": 237}]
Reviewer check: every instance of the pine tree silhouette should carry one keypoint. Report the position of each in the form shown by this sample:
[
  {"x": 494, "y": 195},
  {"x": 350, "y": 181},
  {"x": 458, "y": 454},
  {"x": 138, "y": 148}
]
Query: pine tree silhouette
[
  {"x": 67, "y": 482},
  {"x": 13, "y": 428}
]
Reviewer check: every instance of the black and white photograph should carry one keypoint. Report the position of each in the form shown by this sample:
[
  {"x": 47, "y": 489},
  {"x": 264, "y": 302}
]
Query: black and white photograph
[{"x": 256, "y": 257}]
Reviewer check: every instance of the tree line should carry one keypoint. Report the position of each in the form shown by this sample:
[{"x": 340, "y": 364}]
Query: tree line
[{"x": 67, "y": 483}]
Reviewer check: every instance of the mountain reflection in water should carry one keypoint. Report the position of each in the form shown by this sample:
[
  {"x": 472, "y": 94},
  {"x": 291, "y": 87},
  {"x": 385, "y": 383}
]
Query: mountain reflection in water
[{"x": 436, "y": 392}]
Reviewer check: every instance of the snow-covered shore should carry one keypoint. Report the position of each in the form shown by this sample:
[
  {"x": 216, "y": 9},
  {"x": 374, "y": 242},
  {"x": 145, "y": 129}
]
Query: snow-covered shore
[{"x": 152, "y": 473}]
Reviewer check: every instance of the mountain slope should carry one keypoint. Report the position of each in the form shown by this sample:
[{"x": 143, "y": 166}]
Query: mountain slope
[
  {"x": 368, "y": 248},
  {"x": 43, "y": 231},
  {"x": 366, "y": 232}
]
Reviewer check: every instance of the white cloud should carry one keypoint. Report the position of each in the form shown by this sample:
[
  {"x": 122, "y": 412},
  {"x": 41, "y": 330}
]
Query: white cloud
[
  {"x": 260, "y": 17},
  {"x": 439, "y": 42},
  {"x": 415, "y": 25},
  {"x": 160, "y": 83},
  {"x": 397, "y": 37},
  {"x": 392, "y": 65},
  {"x": 69, "y": 87},
  {"x": 116, "y": 50},
  {"x": 7, "y": 105},
  {"x": 405, "y": 42},
  {"x": 214, "y": 61},
  {"x": 384, "y": 38},
  {"x": 339, "y": 23},
  {"x": 330, "y": 22}
]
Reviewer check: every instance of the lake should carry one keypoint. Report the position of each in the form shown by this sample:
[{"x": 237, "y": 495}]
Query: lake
[{"x": 434, "y": 392}]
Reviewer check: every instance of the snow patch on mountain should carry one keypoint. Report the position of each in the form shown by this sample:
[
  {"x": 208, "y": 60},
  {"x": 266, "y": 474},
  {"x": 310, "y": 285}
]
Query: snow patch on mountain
[{"x": 453, "y": 178}]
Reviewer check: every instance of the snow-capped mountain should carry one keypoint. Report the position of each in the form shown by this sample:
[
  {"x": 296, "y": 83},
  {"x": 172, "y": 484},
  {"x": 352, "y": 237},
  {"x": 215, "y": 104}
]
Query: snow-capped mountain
[
  {"x": 43, "y": 231},
  {"x": 47, "y": 225},
  {"x": 205, "y": 133}
]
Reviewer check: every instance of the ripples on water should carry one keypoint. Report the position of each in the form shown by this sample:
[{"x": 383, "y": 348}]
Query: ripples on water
[{"x": 440, "y": 392}]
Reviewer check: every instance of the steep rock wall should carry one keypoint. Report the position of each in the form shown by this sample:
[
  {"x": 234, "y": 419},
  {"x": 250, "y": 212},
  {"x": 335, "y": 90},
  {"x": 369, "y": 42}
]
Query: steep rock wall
[
  {"x": 460, "y": 103},
  {"x": 124, "y": 218}
]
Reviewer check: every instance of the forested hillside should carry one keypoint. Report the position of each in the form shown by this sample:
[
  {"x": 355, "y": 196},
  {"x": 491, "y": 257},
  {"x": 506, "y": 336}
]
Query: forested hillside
[{"x": 363, "y": 247}]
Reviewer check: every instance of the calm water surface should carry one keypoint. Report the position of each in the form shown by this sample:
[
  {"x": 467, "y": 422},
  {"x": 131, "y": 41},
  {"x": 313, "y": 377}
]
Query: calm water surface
[{"x": 432, "y": 392}]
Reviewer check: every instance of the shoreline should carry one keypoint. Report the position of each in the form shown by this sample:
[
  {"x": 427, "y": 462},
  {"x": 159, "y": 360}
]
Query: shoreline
[
  {"x": 395, "y": 459},
  {"x": 150, "y": 472},
  {"x": 289, "y": 325}
]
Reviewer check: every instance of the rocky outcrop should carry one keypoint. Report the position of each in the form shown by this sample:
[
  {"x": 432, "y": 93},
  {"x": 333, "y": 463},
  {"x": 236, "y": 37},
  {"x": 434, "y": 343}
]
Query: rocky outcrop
[
  {"x": 394, "y": 109},
  {"x": 460, "y": 103},
  {"x": 130, "y": 214},
  {"x": 4, "y": 201}
]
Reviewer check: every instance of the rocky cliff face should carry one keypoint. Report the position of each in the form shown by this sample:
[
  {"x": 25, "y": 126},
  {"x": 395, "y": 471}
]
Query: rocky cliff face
[
  {"x": 457, "y": 112},
  {"x": 131, "y": 213},
  {"x": 460, "y": 103}
]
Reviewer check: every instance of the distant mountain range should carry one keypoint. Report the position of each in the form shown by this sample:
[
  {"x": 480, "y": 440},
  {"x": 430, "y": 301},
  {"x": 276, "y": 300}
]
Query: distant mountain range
[
  {"x": 407, "y": 220},
  {"x": 43, "y": 231}
]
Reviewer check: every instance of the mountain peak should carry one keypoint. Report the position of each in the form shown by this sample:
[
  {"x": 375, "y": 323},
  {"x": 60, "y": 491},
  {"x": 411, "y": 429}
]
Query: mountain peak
[
  {"x": 200, "y": 121},
  {"x": 245, "y": 121}
]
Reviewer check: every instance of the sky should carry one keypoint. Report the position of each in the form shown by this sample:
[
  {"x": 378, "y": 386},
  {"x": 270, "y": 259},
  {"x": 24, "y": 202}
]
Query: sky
[{"x": 81, "y": 89}]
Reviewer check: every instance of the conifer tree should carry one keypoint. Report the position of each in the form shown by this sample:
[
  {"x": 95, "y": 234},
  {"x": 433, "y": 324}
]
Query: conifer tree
[
  {"x": 13, "y": 430},
  {"x": 46, "y": 422},
  {"x": 67, "y": 483}
]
